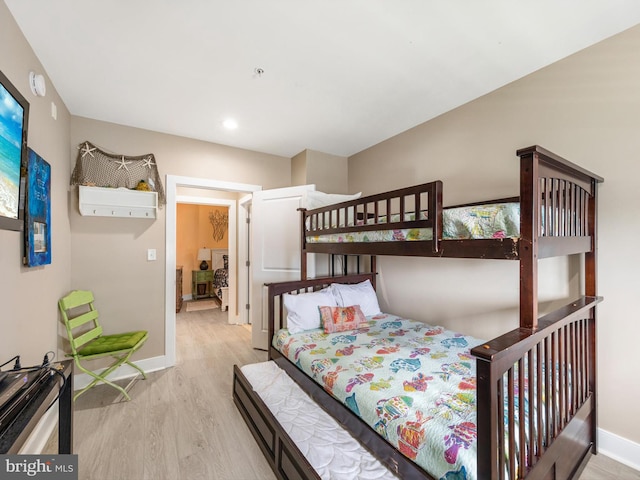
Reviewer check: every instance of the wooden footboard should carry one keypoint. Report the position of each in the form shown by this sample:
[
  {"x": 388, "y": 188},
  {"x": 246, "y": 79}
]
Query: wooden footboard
[
  {"x": 542, "y": 383},
  {"x": 224, "y": 298}
]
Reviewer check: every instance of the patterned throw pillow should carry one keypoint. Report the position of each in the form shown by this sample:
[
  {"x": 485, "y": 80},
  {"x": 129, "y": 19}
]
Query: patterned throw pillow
[
  {"x": 302, "y": 309},
  {"x": 341, "y": 319},
  {"x": 225, "y": 260}
]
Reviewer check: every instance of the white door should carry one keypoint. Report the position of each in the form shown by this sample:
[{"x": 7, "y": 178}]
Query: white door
[{"x": 275, "y": 250}]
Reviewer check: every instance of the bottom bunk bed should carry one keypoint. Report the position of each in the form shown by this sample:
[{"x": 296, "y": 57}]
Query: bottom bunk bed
[{"x": 448, "y": 406}]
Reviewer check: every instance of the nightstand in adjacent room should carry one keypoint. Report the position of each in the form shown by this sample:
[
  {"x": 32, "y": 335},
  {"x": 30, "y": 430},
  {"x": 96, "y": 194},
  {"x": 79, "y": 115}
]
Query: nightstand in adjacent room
[{"x": 202, "y": 284}]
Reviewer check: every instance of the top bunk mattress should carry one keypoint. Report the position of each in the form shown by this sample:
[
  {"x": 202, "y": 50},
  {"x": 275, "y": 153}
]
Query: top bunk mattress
[{"x": 496, "y": 220}]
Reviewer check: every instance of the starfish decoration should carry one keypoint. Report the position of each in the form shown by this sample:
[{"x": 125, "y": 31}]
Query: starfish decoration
[
  {"x": 148, "y": 162},
  {"x": 123, "y": 164},
  {"x": 87, "y": 150}
]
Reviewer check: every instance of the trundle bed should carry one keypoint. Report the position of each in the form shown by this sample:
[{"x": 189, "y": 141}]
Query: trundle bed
[{"x": 520, "y": 405}]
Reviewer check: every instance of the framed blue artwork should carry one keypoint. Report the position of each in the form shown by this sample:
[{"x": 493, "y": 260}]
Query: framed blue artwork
[{"x": 37, "y": 231}]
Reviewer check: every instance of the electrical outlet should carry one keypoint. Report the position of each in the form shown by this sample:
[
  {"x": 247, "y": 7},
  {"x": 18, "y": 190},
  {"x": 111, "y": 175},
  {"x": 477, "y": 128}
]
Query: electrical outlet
[{"x": 151, "y": 254}]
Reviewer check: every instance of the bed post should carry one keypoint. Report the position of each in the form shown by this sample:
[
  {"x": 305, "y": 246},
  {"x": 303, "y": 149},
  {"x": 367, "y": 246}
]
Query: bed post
[
  {"x": 591, "y": 257},
  {"x": 374, "y": 270},
  {"x": 303, "y": 245},
  {"x": 590, "y": 286},
  {"x": 487, "y": 418},
  {"x": 435, "y": 205},
  {"x": 529, "y": 228}
]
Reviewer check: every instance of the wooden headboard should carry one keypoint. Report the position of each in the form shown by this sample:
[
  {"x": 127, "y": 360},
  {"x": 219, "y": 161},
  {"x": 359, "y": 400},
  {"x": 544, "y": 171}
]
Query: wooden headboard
[{"x": 276, "y": 313}]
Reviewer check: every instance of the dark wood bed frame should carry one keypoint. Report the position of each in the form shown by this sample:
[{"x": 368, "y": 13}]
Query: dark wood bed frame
[{"x": 558, "y": 217}]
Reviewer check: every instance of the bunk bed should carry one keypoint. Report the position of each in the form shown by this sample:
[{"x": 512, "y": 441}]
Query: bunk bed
[{"x": 535, "y": 387}]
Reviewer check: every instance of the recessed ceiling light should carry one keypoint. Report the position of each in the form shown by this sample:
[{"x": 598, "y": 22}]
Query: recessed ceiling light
[{"x": 230, "y": 124}]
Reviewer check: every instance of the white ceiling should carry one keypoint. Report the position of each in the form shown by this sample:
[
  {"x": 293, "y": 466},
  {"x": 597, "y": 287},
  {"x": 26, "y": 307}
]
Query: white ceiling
[{"x": 339, "y": 75}]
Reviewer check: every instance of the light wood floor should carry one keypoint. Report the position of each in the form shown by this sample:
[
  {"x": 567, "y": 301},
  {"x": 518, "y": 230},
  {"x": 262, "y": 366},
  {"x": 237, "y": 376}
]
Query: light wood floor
[{"x": 182, "y": 424}]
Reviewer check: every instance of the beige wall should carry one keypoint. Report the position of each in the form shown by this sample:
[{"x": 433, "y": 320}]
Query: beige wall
[
  {"x": 327, "y": 172},
  {"x": 29, "y": 324},
  {"x": 299, "y": 169},
  {"x": 109, "y": 254},
  {"x": 584, "y": 108}
]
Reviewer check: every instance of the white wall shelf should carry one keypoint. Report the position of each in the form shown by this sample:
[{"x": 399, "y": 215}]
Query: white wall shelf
[{"x": 117, "y": 202}]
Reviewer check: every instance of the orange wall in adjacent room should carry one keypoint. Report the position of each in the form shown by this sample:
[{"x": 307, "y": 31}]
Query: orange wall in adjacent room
[{"x": 194, "y": 231}]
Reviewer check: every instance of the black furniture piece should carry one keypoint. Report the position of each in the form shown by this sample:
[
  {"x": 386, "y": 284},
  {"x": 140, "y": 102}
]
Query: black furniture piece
[{"x": 14, "y": 437}]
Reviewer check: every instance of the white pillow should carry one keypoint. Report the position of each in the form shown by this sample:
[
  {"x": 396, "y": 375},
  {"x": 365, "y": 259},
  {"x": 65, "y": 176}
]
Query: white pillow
[
  {"x": 361, "y": 294},
  {"x": 316, "y": 199},
  {"x": 302, "y": 309}
]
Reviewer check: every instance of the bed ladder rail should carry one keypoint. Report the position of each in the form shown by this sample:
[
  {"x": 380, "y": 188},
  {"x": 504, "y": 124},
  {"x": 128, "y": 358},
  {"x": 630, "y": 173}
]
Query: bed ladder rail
[{"x": 531, "y": 384}]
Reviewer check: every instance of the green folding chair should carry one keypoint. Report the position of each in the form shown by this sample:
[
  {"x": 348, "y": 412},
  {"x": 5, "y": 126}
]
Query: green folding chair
[{"x": 87, "y": 342}]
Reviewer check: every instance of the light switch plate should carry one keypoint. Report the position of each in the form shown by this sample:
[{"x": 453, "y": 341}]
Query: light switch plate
[{"x": 151, "y": 254}]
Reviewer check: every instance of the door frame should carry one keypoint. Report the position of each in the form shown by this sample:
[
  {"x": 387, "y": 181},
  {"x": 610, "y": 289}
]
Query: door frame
[{"x": 172, "y": 183}]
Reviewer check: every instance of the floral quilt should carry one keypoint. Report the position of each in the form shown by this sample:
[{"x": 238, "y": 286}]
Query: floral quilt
[
  {"x": 415, "y": 384},
  {"x": 499, "y": 220}
]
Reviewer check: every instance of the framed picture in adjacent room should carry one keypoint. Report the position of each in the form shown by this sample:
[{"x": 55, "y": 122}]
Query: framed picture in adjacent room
[{"x": 37, "y": 231}]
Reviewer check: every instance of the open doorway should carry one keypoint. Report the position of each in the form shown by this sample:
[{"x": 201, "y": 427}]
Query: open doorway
[
  {"x": 204, "y": 261},
  {"x": 175, "y": 186}
]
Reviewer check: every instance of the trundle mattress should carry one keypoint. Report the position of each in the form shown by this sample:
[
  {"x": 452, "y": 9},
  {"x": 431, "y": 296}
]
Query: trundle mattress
[{"x": 332, "y": 452}]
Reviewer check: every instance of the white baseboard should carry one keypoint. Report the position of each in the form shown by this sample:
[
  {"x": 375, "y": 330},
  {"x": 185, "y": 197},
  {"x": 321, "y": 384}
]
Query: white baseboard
[
  {"x": 153, "y": 364},
  {"x": 618, "y": 448}
]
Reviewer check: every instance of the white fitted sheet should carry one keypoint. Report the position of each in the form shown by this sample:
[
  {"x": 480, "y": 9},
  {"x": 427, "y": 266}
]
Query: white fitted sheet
[{"x": 330, "y": 449}]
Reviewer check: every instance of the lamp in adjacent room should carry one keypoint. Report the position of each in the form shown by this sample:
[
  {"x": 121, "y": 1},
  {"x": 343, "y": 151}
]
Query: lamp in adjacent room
[{"x": 204, "y": 254}]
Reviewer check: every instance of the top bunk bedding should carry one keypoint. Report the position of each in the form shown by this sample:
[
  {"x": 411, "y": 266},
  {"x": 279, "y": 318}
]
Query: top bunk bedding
[
  {"x": 554, "y": 214},
  {"x": 494, "y": 220}
]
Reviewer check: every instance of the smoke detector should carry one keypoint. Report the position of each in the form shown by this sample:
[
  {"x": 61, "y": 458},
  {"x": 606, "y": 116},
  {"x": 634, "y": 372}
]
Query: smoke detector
[{"x": 37, "y": 84}]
